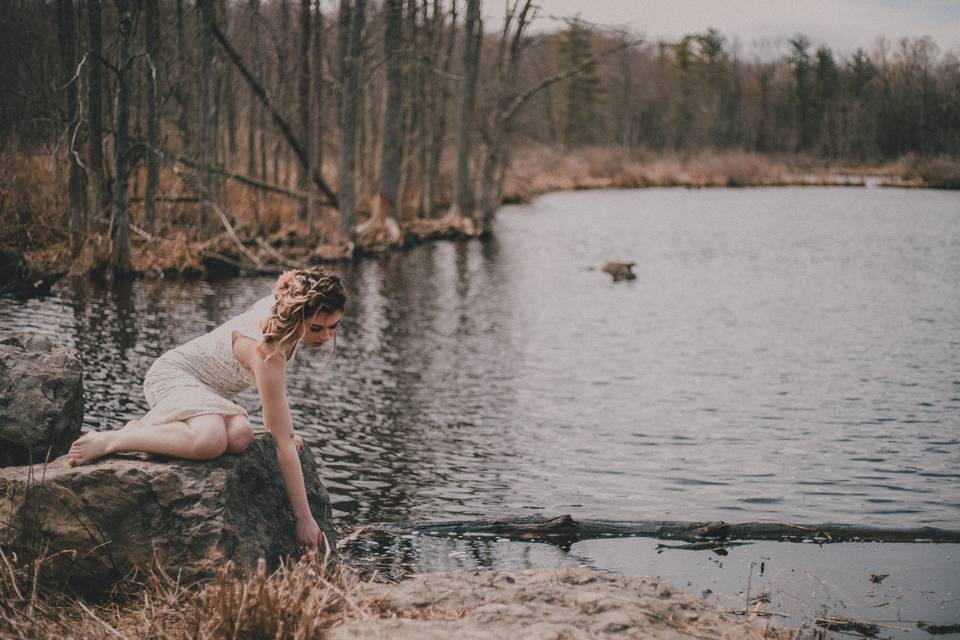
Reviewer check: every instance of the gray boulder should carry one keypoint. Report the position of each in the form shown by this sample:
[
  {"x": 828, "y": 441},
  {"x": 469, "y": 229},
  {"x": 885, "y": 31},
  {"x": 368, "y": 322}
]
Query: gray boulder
[
  {"x": 102, "y": 521},
  {"x": 41, "y": 398}
]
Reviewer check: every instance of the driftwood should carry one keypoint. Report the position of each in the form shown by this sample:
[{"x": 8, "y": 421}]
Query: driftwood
[{"x": 564, "y": 530}]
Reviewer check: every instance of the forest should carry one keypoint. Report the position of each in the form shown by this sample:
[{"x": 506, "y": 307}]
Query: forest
[{"x": 176, "y": 136}]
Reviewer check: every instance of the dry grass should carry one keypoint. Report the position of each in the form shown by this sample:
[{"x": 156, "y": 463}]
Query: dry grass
[
  {"x": 942, "y": 172},
  {"x": 536, "y": 170},
  {"x": 301, "y": 600},
  {"x": 32, "y": 201}
]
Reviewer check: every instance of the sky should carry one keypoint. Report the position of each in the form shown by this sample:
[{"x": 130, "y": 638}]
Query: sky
[{"x": 843, "y": 25}]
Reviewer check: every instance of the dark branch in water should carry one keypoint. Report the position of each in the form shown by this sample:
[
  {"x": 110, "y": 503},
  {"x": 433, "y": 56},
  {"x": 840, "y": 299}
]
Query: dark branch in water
[{"x": 564, "y": 530}]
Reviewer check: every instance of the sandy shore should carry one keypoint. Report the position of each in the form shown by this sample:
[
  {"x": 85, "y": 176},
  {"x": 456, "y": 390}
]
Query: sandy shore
[{"x": 542, "y": 604}]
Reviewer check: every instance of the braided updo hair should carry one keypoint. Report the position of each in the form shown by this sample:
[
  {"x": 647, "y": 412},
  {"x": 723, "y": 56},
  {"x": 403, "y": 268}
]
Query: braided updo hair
[{"x": 298, "y": 295}]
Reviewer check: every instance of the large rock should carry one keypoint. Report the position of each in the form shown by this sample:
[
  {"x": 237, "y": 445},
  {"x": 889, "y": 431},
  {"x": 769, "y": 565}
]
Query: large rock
[
  {"x": 41, "y": 398},
  {"x": 118, "y": 514}
]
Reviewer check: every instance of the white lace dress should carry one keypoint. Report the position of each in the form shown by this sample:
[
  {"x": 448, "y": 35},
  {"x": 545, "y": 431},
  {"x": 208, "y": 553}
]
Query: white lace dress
[{"x": 203, "y": 376}]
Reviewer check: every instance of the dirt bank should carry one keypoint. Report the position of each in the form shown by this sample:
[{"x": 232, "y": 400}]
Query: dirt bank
[{"x": 540, "y": 604}]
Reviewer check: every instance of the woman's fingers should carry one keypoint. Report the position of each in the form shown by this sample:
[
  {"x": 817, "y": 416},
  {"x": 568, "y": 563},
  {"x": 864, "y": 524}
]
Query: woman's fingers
[{"x": 297, "y": 440}]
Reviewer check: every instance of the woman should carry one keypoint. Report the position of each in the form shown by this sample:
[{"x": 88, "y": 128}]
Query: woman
[{"x": 190, "y": 388}]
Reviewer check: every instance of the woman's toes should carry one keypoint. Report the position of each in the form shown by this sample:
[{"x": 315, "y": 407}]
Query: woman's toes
[{"x": 88, "y": 448}]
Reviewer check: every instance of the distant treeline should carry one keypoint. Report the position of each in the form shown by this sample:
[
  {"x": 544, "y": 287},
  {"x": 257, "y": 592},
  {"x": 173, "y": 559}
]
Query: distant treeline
[
  {"x": 407, "y": 106},
  {"x": 699, "y": 92}
]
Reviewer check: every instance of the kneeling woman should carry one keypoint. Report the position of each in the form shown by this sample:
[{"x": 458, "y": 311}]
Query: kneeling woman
[{"x": 190, "y": 388}]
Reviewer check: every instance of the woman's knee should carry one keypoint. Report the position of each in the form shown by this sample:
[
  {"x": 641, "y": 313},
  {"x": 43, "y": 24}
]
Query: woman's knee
[
  {"x": 210, "y": 439},
  {"x": 239, "y": 434}
]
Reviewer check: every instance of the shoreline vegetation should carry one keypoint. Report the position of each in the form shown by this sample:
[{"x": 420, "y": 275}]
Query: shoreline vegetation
[
  {"x": 281, "y": 242},
  {"x": 310, "y": 599}
]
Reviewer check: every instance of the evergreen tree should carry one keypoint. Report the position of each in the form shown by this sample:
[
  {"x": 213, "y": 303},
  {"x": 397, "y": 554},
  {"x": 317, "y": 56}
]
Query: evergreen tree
[{"x": 583, "y": 89}]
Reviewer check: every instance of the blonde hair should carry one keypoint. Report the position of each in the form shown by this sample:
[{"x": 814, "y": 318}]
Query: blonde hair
[{"x": 299, "y": 294}]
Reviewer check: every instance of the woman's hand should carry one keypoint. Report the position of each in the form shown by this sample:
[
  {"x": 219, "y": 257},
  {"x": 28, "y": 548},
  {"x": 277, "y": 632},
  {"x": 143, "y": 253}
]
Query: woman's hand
[
  {"x": 308, "y": 533},
  {"x": 298, "y": 441}
]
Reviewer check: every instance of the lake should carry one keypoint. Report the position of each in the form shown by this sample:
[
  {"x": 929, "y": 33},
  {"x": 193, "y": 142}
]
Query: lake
[{"x": 788, "y": 354}]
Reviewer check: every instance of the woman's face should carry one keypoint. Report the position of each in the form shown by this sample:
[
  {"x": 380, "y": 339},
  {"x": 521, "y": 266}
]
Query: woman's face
[{"x": 320, "y": 328}]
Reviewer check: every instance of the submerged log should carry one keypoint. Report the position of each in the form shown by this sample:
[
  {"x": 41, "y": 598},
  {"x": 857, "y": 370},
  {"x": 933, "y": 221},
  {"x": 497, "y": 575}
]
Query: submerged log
[{"x": 564, "y": 530}]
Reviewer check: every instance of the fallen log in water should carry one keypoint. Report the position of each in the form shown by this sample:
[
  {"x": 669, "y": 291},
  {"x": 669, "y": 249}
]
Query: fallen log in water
[{"x": 564, "y": 530}]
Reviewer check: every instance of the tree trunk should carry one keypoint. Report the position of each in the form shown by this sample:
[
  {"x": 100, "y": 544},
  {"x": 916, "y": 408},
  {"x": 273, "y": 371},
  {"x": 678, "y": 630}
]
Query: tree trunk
[
  {"x": 253, "y": 113},
  {"x": 320, "y": 129},
  {"x": 183, "y": 92},
  {"x": 306, "y": 130},
  {"x": 68, "y": 50},
  {"x": 463, "y": 188},
  {"x": 438, "y": 112},
  {"x": 95, "y": 109},
  {"x": 206, "y": 114},
  {"x": 253, "y": 37},
  {"x": 283, "y": 83},
  {"x": 351, "y": 50},
  {"x": 381, "y": 230},
  {"x": 152, "y": 37},
  {"x": 120, "y": 222},
  {"x": 412, "y": 104}
]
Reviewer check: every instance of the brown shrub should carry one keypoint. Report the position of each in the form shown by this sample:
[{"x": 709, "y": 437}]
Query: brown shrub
[{"x": 32, "y": 201}]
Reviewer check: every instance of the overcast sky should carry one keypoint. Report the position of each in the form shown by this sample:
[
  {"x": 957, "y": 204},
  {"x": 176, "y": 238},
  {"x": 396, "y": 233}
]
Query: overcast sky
[{"x": 842, "y": 24}]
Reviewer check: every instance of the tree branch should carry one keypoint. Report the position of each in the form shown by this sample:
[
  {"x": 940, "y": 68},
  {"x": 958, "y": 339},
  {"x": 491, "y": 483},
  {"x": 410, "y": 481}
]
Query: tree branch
[
  {"x": 521, "y": 99},
  {"x": 259, "y": 91}
]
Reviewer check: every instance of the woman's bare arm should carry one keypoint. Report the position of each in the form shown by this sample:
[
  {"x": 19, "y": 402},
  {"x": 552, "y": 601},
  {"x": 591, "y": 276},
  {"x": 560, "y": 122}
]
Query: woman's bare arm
[{"x": 270, "y": 377}]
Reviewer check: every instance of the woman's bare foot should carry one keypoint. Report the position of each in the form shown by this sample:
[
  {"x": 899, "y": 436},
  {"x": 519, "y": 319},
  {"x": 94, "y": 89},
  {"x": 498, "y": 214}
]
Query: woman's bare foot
[{"x": 89, "y": 447}]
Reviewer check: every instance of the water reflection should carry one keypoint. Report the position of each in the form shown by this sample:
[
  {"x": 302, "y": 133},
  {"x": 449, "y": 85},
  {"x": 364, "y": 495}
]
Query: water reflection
[{"x": 784, "y": 354}]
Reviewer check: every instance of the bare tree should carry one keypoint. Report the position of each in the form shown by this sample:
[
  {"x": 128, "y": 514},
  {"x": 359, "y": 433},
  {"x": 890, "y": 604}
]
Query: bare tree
[
  {"x": 71, "y": 75},
  {"x": 318, "y": 88},
  {"x": 515, "y": 23},
  {"x": 183, "y": 93},
  {"x": 206, "y": 112},
  {"x": 381, "y": 230},
  {"x": 120, "y": 222},
  {"x": 306, "y": 121},
  {"x": 352, "y": 18},
  {"x": 95, "y": 108},
  {"x": 438, "y": 97},
  {"x": 152, "y": 38},
  {"x": 462, "y": 186}
]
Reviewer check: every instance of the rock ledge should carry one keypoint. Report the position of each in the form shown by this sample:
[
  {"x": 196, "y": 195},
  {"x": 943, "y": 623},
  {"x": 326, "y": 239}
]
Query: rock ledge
[{"x": 124, "y": 513}]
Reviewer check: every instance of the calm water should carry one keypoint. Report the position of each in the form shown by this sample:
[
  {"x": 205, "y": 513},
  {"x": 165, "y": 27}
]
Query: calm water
[{"x": 787, "y": 354}]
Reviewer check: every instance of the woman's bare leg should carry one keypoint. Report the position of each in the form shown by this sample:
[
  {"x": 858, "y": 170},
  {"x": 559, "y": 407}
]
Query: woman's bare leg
[
  {"x": 239, "y": 434},
  {"x": 198, "y": 438}
]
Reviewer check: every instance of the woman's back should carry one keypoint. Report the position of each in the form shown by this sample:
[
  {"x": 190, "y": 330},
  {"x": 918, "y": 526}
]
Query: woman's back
[{"x": 210, "y": 359}]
